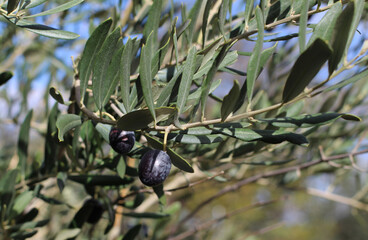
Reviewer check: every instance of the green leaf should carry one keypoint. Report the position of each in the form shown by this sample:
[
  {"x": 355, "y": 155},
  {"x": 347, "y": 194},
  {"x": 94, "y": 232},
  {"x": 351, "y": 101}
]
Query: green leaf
[
  {"x": 222, "y": 15},
  {"x": 12, "y": 5},
  {"x": 34, "y": 3},
  {"x": 153, "y": 22},
  {"x": 133, "y": 232},
  {"x": 159, "y": 190},
  {"x": 248, "y": 11},
  {"x": 145, "y": 75},
  {"x": 23, "y": 141},
  {"x": 104, "y": 130},
  {"x": 90, "y": 51},
  {"x": 60, "y": 8},
  {"x": 43, "y": 30},
  {"x": 150, "y": 215},
  {"x": 362, "y": 75},
  {"x": 112, "y": 78},
  {"x": 176, "y": 159},
  {"x": 191, "y": 138},
  {"x": 51, "y": 142},
  {"x": 7, "y": 186},
  {"x": 254, "y": 61},
  {"x": 230, "y": 101},
  {"x": 100, "y": 180},
  {"x": 121, "y": 167},
  {"x": 358, "y": 11},
  {"x": 303, "y": 25},
  {"x": 20, "y": 203},
  {"x": 164, "y": 97},
  {"x": 101, "y": 66},
  {"x": 55, "y": 94},
  {"x": 324, "y": 28},
  {"x": 66, "y": 122},
  {"x": 5, "y": 77},
  {"x": 186, "y": 80},
  {"x": 306, "y": 121},
  {"x": 340, "y": 36},
  {"x": 205, "y": 88},
  {"x": 141, "y": 119},
  {"x": 193, "y": 16},
  {"x": 305, "y": 68},
  {"x": 125, "y": 64}
]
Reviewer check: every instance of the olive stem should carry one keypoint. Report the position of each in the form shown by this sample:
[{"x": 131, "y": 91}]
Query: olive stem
[{"x": 167, "y": 131}]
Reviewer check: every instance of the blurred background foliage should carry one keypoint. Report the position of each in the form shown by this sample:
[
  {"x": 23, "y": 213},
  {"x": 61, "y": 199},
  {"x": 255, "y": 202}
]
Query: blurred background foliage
[{"x": 307, "y": 182}]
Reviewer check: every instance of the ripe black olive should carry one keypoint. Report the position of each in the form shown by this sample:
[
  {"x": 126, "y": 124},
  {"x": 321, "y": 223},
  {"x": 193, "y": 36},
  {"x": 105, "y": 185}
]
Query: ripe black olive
[
  {"x": 154, "y": 167},
  {"x": 121, "y": 141},
  {"x": 96, "y": 210}
]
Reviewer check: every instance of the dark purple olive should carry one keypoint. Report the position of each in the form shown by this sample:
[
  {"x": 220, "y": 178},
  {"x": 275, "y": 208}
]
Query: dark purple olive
[
  {"x": 121, "y": 141},
  {"x": 154, "y": 167}
]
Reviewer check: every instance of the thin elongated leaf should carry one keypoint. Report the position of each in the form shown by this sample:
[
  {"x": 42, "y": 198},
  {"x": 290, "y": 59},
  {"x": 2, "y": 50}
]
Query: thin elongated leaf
[
  {"x": 209, "y": 78},
  {"x": 7, "y": 186},
  {"x": 101, "y": 66},
  {"x": 153, "y": 21},
  {"x": 177, "y": 160},
  {"x": 206, "y": 13},
  {"x": 90, "y": 51},
  {"x": 159, "y": 190},
  {"x": 248, "y": 11},
  {"x": 57, "y": 9},
  {"x": 23, "y": 141},
  {"x": 121, "y": 167},
  {"x": 125, "y": 64},
  {"x": 306, "y": 121},
  {"x": 133, "y": 232},
  {"x": 303, "y": 25},
  {"x": 305, "y": 68},
  {"x": 325, "y": 26},
  {"x": 141, "y": 119},
  {"x": 68, "y": 234},
  {"x": 55, "y": 94},
  {"x": 43, "y": 30},
  {"x": 186, "y": 80},
  {"x": 145, "y": 75},
  {"x": 51, "y": 142},
  {"x": 104, "y": 130},
  {"x": 5, "y": 77},
  {"x": 151, "y": 215},
  {"x": 268, "y": 136},
  {"x": 362, "y": 75},
  {"x": 340, "y": 36},
  {"x": 358, "y": 11},
  {"x": 100, "y": 180},
  {"x": 193, "y": 16},
  {"x": 191, "y": 138},
  {"x": 230, "y": 101},
  {"x": 12, "y": 5},
  {"x": 67, "y": 122},
  {"x": 222, "y": 15},
  {"x": 254, "y": 61},
  {"x": 112, "y": 78},
  {"x": 164, "y": 97},
  {"x": 34, "y": 3},
  {"x": 21, "y": 203}
]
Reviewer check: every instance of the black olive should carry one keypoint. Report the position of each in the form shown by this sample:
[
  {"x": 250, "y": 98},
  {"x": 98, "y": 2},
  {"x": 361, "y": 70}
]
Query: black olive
[
  {"x": 154, "y": 167},
  {"x": 121, "y": 141}
]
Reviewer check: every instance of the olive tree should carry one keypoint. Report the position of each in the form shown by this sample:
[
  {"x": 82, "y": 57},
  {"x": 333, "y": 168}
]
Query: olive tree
[{"x": 165, "y": 98}]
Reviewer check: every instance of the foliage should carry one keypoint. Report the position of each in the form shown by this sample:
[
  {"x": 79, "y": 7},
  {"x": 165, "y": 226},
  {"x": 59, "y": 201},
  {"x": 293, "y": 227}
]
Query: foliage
[{"x": 154, "y": 67}]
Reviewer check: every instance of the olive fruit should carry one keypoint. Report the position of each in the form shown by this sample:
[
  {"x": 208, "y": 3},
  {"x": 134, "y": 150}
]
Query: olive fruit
[
  {"x": 154, "y": 167},
  {"x": 121, "y": 141}
]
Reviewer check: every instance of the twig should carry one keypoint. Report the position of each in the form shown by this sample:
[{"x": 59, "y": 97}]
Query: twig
[
  {"x": 216, "y": 220},
  {"x": 271, "y": 173},
  {"x": 338, "y": 198},
  {"x": 265, "y": 230}
]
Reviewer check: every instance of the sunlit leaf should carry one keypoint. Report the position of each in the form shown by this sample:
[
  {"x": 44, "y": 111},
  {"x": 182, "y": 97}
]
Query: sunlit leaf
[
  {"x": 90, "y": 51},
  {"x": 57, "y": 9},
  {"x": 67, "y": 122}
]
